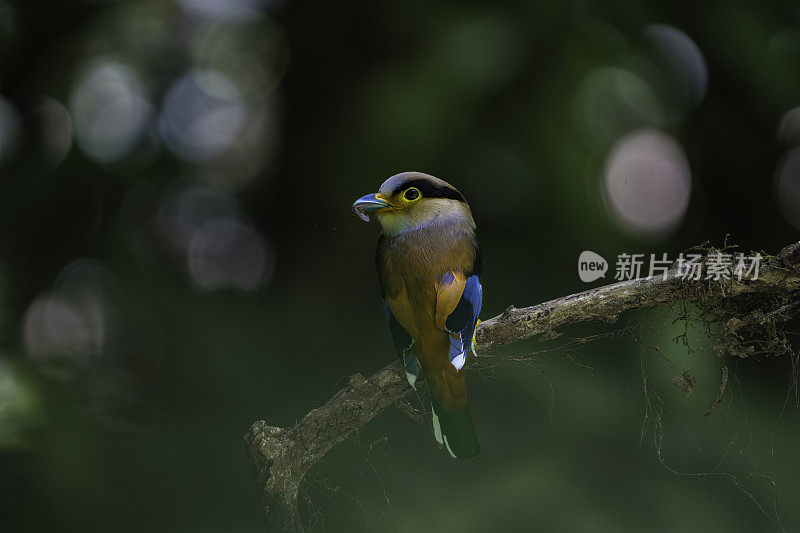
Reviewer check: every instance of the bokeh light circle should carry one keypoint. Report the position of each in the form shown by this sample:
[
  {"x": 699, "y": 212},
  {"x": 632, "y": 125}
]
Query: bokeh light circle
[
  {"x": 647, "y": 182},
  {"x": 686, "y": 63},
  {"x": 789, "y": 128},
  {"x": 227, "y": 252},
  {"x": 73, "y": 320},
  {"x": 788, "y": 187},
  {"x": 110, "y": 109},
  {"x": 202, "y": 115},
  {"x": 56, "y": 125},
  {"x": 612, "y": 101}
]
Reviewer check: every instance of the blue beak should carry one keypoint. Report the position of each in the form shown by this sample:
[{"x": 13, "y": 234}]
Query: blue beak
[{"x": 369, "y": 203}]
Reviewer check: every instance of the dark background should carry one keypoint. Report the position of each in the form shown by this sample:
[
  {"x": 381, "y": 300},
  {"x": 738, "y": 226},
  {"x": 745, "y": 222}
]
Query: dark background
[{"x": 178, "y": 257}]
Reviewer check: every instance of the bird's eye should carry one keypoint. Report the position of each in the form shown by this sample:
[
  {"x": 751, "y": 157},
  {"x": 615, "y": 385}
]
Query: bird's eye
[{"x": 411, "y": 194}]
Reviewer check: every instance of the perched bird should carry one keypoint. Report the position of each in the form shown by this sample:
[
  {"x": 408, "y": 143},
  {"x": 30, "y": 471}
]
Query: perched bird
[{"x": 429, "y": 265}]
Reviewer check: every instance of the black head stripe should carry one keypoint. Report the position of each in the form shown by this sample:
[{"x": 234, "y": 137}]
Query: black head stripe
[{"x": 429, "y": 190}]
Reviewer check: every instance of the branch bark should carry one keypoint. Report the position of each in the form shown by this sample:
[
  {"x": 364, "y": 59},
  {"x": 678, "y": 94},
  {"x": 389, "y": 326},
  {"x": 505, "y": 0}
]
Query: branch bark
[{"x": 280, "y": 457}]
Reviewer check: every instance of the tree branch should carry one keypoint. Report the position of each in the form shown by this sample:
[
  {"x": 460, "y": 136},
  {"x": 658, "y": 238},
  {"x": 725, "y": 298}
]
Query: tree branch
[{"x": 280, "y": 457}]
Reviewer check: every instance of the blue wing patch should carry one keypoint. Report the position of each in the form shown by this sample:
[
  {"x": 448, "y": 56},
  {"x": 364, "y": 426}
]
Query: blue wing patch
[
  {"x": 402, "y": 345},
  {"x": 461, "y": 322}
]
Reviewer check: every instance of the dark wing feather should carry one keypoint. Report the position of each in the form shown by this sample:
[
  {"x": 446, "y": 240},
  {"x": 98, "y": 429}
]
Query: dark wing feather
[
  {"x": 402, "y": 345},
  {"x": 400, "y": 337},
  {"x": 462, "y": 320}
]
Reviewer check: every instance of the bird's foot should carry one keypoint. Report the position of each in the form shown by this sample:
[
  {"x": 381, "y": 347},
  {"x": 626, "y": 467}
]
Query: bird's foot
[{"x": 475, "y": 334}]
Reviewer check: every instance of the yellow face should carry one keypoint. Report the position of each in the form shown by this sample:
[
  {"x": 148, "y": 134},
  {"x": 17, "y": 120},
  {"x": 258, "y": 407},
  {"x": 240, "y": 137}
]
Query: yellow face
[
  {"x": 401, "y": 200},
  {"x": 409, "y": 210},
  {"x": 383, "y": 203}
]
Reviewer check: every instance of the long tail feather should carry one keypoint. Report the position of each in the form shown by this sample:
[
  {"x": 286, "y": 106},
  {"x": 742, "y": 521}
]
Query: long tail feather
[{"x": 454, "y": 429}]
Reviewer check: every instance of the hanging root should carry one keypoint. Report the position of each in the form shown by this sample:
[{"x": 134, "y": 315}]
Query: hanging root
[{"x": 723, "y": 382}]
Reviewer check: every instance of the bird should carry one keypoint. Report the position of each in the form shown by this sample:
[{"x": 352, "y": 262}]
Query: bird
[{"x": 430, "y": 269}]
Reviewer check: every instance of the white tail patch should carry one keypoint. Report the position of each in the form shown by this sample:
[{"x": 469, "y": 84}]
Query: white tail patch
[
  {"x": 410, "y": 376},
  {"x": 459, "y": 360},
  {"x": 437, "y": 429},
  {"x": 447, "y": 445}
]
